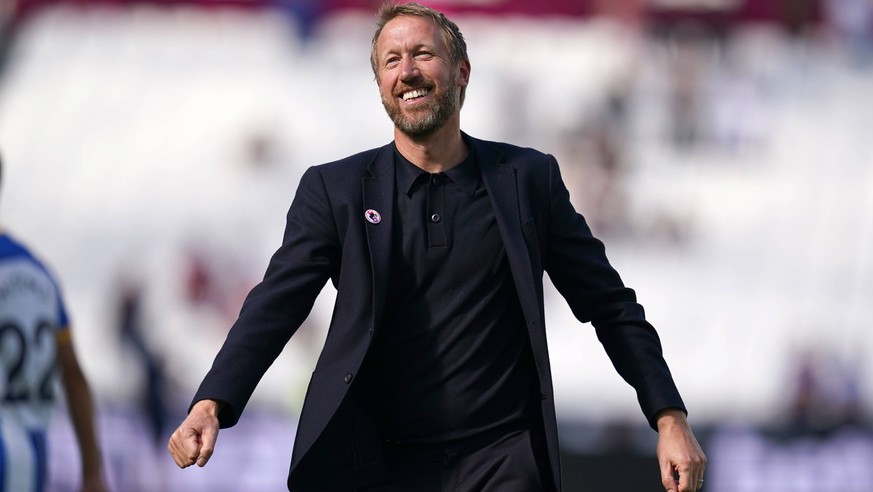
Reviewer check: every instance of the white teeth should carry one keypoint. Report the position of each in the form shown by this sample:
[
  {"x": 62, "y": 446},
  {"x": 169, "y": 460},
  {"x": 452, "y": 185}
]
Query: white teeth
[{"x": 413, "y": 94}]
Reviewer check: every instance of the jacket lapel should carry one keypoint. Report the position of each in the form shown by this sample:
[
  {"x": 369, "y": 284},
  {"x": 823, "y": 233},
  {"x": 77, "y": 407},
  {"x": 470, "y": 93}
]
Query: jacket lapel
[
  {"x": 501, "y": 182},
  {"x": 378, "y": 193}
]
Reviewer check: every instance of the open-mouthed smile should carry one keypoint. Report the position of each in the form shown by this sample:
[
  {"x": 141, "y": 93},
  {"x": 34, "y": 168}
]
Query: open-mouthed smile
[{"x": 414, "y": 94}]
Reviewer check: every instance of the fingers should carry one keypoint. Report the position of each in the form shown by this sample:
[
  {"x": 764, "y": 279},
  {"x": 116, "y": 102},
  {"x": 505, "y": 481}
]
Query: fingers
[
  {"x": 667, "y": 477},
  {"x": 184, "y": 446},
  {"x": 690, "y": 480},
  {"x": 696, "y": 471},
  {"x": 679, "y": 454},
  {"x": 194, "y": 440},
  {"x": 192, "y": 444},
  {"x": 697, "y": 479},
  {"x": 207, "y": 445},
  {"x": 690, "y": 477},
  {"x": 686, "y": 481}
]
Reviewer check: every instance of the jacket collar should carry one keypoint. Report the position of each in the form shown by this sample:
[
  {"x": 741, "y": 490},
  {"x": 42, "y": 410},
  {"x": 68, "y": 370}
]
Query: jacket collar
[{"x": 383, "y": 161}]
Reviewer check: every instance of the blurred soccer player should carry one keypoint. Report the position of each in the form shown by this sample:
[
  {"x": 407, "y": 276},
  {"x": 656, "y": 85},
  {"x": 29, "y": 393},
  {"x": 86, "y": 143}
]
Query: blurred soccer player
[{"x": 35, "y": 338}]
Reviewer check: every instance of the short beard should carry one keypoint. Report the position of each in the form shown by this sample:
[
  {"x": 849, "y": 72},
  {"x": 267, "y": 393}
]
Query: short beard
[{"x": 435, "y": 115}]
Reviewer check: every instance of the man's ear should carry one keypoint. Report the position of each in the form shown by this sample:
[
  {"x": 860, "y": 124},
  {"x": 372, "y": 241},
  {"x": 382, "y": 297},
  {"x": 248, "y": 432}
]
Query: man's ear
[{"x": 463, "y": 78}]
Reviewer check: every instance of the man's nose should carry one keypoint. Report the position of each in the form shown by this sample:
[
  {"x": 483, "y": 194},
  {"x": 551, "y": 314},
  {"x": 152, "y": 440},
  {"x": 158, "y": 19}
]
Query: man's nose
[{"x": 408, "y": 68}]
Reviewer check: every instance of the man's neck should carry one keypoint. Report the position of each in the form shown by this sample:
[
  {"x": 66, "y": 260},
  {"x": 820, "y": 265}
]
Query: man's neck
[{"x": 435, "y": 153}]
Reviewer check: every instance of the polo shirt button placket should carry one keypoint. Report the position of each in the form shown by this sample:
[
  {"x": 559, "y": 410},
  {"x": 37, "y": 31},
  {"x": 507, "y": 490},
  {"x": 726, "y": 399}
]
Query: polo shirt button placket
[{"x": 435, "y": 205}]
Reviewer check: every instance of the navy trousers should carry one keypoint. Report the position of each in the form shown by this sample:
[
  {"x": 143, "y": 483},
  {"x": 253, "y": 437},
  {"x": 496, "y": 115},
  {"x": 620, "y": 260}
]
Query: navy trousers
[{"x": 506, "y": 462}]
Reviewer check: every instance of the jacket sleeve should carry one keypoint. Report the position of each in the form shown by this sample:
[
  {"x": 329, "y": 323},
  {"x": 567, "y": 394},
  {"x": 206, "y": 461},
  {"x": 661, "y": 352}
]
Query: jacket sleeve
[
  {"x": 578, "y": 267},
  {"x": 276, "y": 307}
]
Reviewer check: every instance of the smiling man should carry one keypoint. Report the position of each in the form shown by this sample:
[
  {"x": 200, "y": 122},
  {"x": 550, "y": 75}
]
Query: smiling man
[
  {"x": 420, "y": 80},
  {"x": 435, "y": 373}
]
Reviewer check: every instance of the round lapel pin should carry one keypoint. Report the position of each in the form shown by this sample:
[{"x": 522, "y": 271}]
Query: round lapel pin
[{"x": 373, "y": 216}]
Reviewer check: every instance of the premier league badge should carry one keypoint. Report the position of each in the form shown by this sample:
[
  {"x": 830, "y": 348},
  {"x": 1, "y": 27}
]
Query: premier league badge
[{"x": 372, "y": 216}]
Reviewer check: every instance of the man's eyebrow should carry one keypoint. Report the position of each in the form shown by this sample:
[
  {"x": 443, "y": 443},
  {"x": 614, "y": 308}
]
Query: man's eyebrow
[{"x": 415, "y": 47}]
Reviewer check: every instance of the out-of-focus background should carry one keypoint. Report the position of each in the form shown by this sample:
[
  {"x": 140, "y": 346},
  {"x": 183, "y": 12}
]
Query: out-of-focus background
[{"x": 723, "y": 149}]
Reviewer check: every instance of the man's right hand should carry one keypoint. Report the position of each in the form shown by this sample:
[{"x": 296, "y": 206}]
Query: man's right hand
[{"x": 194, "y": 440}]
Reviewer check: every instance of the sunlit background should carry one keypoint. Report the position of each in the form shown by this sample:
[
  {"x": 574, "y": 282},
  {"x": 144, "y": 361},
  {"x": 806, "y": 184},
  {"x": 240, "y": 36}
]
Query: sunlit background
[{"x": 723, "y": 149}]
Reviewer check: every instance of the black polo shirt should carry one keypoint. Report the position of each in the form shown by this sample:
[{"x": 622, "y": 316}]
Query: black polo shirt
[{"x": 452, "y": 358}]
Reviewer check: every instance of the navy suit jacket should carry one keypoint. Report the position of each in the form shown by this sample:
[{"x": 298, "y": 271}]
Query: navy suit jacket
[{"x": 328, "y": 237}]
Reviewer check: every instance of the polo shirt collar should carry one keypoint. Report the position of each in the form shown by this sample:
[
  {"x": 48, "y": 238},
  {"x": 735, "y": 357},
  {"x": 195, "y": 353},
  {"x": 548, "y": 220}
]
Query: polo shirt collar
[{"x": 465, "y": 174}]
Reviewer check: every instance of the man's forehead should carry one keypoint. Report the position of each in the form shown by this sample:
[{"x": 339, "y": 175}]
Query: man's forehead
[{"x": 409, "y": 29}]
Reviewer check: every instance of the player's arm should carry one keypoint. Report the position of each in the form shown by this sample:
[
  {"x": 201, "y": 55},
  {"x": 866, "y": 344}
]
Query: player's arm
[{"x": 81, "y": 407}]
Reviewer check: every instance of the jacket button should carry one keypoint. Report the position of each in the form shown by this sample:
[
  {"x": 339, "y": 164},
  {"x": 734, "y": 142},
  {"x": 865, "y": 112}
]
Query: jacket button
[{"x": 348, "y": 378}]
